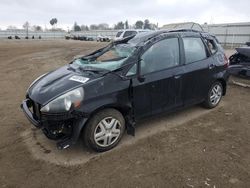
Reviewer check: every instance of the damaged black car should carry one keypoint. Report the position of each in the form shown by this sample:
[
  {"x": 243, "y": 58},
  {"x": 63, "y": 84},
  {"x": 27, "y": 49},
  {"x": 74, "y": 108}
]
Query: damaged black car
[
  {"x": 99, "y": 96},
  {"x": 240, "y": 62}
]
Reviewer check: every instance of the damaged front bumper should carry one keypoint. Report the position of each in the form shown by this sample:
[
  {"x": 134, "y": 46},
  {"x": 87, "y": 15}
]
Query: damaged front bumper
[
  {"x": 241, "y": 70},
  {"x": 65, "y": 128}
]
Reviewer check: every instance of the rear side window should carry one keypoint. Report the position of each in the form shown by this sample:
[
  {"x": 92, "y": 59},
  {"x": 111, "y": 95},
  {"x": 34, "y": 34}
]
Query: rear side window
[
  {"x": 161, "y": 55},
  {"x": 211, "y": 46},
  {"x": 119, "y": 34},
  {"x": 129, "y": 33},
  {"x": 194, "y": 49}
]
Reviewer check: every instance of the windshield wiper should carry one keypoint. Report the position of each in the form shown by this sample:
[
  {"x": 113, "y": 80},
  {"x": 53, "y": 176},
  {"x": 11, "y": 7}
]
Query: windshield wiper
[{"x": 93, "y": 69}]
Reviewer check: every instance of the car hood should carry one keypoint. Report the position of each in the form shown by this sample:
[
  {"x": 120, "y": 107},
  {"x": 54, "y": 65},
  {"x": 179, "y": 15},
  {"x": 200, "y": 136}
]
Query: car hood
[{"x": 56, "y": 83}]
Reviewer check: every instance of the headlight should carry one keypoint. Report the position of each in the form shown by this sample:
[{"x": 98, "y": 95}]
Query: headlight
[{"x": 64, "y": 102}]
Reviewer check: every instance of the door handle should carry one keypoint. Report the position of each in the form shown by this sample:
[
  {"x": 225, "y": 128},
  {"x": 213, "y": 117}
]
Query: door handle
[
  {"x": 177, "y": 76},
  {"x": 211, "y": 66}
]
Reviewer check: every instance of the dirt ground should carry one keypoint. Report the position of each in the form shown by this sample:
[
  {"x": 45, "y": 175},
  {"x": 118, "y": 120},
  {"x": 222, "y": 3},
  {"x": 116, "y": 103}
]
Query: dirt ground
[{"x": 194, "y": 147}]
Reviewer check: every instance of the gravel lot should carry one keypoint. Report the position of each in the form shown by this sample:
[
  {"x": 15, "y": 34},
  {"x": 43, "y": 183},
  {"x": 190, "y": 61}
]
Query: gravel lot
[{"x": 191, "y": 148}]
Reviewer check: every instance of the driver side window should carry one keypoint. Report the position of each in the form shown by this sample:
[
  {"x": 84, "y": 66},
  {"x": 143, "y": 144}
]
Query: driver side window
[{"x": 161, "y": 55}]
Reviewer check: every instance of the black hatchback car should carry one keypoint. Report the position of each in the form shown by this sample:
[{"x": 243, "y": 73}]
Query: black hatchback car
[{"x": 100, "y": 95}]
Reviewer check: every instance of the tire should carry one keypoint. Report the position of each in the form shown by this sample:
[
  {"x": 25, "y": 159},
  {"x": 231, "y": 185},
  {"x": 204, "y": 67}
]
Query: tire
[
  {"x": 104, "y": 130},
  {"x": 214, "y": 95}
]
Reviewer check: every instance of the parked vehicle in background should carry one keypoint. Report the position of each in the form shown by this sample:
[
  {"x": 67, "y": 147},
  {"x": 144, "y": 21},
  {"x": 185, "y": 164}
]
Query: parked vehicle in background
[
  {"x": 17, "y": 37},
  {"x": 128, "y": 32},
  {"x": 82, "y": 37},
  {"x": 90, "y": 38},
  {"x": 100, "y": 95},
  {"x": 102, "y": 38},
  {"x": 240, "y": 62},
  {"x": 78, "y": 37},
  {"x": 68, "y": 36}
]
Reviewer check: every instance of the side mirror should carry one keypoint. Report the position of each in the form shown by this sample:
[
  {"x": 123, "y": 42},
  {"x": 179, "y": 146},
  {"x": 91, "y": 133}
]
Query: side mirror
[{"x": 140, "y": 77}]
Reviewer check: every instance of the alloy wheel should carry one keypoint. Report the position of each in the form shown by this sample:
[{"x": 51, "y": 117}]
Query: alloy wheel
[
  {"x": 107, "y": 131},
  {"x": 216, "y": 94}
]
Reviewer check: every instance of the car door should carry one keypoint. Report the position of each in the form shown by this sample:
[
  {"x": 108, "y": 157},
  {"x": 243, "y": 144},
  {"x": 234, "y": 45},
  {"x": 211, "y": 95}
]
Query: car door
[
  {"x": 198, "y": 70},
  {"x": 159, "y": 86}
]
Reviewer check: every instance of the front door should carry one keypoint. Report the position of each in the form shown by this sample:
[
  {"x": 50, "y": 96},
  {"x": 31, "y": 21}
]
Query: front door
[{"x": 160, "y": 88}]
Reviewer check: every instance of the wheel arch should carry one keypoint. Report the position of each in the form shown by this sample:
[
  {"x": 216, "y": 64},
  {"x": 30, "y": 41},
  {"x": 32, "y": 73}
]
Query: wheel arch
[
  {"x": 224, "y": 85},
  {"x": 124, "y": 110}
]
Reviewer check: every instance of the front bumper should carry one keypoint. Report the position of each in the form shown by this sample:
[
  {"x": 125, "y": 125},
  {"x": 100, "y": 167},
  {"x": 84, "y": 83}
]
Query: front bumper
[
  {"x": 63, "y": 127},
  {"x": 26, "y": 104},
  {"x": 241, "y": 70}
]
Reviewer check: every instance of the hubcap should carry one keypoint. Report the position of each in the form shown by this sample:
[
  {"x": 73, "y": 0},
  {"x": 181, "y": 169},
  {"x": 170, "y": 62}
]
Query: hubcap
[
  {"x": 215, "y": 94},
  {"x": 107, "y": 131}
]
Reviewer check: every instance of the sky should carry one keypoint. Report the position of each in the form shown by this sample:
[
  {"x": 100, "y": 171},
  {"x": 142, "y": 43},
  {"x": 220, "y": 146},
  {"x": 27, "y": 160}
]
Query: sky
[{"x": 39, "y": 12}]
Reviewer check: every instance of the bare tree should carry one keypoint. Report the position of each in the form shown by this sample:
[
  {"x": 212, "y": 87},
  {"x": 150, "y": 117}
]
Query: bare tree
[
  {"x": 26, "y": 26},
  {"x": 11, "y": 27}
]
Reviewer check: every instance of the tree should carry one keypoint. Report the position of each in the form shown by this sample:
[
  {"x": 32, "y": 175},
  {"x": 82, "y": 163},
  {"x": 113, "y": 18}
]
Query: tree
[
  {"x": 93, "y": 27},
  {"x": 26, "y": 26},
  {"x": 53, "y": 22},
  {"x": 147, "y": 24},
  {"x": 139, "y": 24},
  {"x": 126, "y": 24},
  {"x": 37, "y": 28},
  {"x": 84, "y": 28},
  {"x": 103, "y": 26},
  {"x": 11, "y": 27},
  {"x": 76, "y": 27},
  {"x": 119, "y": 25}
]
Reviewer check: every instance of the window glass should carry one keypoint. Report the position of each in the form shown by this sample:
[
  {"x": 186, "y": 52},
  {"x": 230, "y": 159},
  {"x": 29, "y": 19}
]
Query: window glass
[
  {"x": 129, "y": 33},
  {"x": 164, "y": 54},
  {"x": 132, "y": 70},
  {"x": 194, "y": 49},
  {"x": 211, "y": 46},
  {"x": 119, "y": 34}
]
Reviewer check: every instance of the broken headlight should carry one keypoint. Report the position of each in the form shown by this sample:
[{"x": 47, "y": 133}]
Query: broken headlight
[{"x": 65, "y": 102}]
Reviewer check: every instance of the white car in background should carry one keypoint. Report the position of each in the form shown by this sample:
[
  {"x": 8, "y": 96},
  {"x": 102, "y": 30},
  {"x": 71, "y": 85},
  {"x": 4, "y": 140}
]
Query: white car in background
[{"x": 128, "y": 32}]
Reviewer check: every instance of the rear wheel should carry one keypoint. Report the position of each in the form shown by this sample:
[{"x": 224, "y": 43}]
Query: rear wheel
[
  {"x": 214, "y": 95},
  {"x": 104, "y": 130}
]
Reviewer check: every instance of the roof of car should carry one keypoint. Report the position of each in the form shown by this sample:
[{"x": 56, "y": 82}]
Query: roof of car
[
  {"x": 143, "y": 37},
  {"x": 123, "y": 30}
]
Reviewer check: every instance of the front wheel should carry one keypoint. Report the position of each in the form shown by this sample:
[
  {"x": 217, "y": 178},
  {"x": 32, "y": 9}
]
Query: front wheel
[
  {"x": 214, "y": 95},
  {"x": 104, "y": 130}
]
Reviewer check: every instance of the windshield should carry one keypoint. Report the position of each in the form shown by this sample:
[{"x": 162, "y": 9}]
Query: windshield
[{"x": 112, "y": 59}]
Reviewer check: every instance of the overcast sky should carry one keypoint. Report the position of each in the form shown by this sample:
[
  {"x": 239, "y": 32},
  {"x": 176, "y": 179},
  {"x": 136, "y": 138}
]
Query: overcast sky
[{"x": 39, "y": 12}]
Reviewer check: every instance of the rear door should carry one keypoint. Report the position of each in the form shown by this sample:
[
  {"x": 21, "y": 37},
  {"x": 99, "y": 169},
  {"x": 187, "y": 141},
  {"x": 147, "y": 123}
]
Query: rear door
[
  {"x": 199, "y": 68},
  {"x": 160, "y": 89}
]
